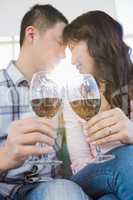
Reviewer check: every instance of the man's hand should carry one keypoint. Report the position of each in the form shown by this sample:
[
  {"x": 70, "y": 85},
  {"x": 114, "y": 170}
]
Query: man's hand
[
  {"x": 108, "y": 126},
  {"x": 22, "y": 138}
]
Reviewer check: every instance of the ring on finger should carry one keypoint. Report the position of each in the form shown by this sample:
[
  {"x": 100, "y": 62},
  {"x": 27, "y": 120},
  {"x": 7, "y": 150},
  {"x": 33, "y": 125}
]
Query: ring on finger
[{"x": 110, "y": 131}]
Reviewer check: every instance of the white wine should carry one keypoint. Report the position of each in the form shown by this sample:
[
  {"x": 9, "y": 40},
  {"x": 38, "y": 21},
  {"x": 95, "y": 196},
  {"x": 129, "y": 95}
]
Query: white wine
[
  {"x": 86, "y": 108},
  {"x": 46, "y": 107}
]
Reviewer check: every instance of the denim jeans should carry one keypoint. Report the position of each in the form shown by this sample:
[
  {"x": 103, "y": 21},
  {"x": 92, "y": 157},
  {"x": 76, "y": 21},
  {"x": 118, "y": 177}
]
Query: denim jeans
[
  {"x": 59, "y": 189},
  {"x": 108, "y": 197},
  {"x": 112, "y": 180},
  {"x": 1, "y": 197}
]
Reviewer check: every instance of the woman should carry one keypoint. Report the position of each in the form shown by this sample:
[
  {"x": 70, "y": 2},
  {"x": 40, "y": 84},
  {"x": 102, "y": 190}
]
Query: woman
[{"x": 96, "y": 42}]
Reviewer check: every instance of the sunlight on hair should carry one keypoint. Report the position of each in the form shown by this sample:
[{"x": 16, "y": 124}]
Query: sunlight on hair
[{"x": 65, "y": 71}]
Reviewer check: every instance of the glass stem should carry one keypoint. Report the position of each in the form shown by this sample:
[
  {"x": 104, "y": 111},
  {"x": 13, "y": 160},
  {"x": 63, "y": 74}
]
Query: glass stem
[
  {"x": 89, "y": 145},
  {"x": 98, "y": 151}
]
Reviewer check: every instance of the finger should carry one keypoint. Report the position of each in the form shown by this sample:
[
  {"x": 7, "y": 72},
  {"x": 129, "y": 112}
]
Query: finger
[
  {"x": 102, "y": 116},
  {"x": 103, "y": 124},
  {"x": 35, "y": 137},
  {"x": 36, "y": 151},
  {"x": 46, "y": 121},
  {"x": 37, "y": 127},
  {"x": 32, "y": 120},
  {"x": 111, "y": 138},
  {"x": 43, "y": 120},
  {"x": 104, "y": 132}
]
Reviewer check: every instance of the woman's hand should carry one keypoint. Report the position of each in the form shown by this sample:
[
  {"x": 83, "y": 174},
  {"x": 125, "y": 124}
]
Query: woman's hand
[{"x": 108, "y": 126}]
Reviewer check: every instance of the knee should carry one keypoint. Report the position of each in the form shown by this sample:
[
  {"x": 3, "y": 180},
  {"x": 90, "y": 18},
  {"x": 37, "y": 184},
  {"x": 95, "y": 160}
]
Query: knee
[
  {"x": 62, "y": 185},
  {"x": 66, "y": 189},
  {"x": 57, "y": 190}
]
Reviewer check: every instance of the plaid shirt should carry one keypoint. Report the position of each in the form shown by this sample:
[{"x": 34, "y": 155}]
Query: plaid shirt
[{"x": 14, "y": 105}]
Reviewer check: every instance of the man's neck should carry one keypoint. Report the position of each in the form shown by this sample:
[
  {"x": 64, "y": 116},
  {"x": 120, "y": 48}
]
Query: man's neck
[{"x": 25, "y": 65}]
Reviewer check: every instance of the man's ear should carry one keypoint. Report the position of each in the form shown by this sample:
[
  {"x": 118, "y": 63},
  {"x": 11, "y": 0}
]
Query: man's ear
[{"x": 30, "y": 33}]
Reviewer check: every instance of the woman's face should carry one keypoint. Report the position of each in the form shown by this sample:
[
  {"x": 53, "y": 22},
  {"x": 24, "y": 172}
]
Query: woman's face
[
  {"x": 81, "y": 57},
  {"x": 85, "y": 64}
]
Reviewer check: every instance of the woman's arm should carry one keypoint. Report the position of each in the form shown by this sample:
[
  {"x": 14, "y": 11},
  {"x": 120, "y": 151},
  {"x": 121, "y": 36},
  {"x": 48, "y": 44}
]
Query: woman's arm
[{"x": 76, "y": 141}]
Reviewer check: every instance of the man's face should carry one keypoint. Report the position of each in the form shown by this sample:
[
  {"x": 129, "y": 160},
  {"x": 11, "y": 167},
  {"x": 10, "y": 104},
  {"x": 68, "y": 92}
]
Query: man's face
[
  {"x": 48, "y": 48},
  {"x": 81, "y": 57}
]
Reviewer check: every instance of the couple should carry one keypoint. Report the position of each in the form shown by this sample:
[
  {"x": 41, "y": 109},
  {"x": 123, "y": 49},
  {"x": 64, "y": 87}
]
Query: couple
[{"x": 95, "y": 40}]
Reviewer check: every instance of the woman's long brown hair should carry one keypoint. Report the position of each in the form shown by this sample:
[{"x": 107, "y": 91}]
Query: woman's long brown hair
[{"x": 104, "y": 38}]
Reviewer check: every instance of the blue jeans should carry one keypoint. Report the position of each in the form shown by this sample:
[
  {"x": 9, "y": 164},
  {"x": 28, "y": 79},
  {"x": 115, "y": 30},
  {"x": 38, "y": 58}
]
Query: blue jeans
[
  {"x": 59, "y": 189},
  {"x": 112, "y": 180},
  {"x": 108, "y": 197}
]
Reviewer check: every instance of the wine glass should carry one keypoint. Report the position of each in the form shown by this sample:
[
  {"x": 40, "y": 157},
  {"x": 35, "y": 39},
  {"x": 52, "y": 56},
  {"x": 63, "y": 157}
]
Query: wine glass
[
  {"x": 85, "y": 100},
  {"x": 46, "y": 99}
]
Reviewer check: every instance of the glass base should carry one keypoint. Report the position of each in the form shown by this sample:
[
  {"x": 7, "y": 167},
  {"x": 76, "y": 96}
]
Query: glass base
[
  {"x": 45, "y": 162},
  {"x": 103, "y": 158}
]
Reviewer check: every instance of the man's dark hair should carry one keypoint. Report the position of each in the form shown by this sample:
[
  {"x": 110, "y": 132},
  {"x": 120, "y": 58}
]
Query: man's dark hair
[{"x": 41, "y": 17}]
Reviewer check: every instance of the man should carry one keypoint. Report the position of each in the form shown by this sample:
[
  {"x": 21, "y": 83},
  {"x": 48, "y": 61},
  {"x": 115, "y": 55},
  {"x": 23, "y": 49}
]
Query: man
[{"x": 41, "y": 48}]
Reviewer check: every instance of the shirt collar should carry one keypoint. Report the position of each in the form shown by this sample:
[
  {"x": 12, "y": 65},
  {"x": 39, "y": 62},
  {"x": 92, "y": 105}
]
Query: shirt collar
[{"x": 16, "y": 76}]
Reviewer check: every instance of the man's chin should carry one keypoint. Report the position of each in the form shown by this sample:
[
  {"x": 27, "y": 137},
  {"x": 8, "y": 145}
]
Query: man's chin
[
  {"x": 45, "y": 68},
  {"x": 49, "y": 67}
]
